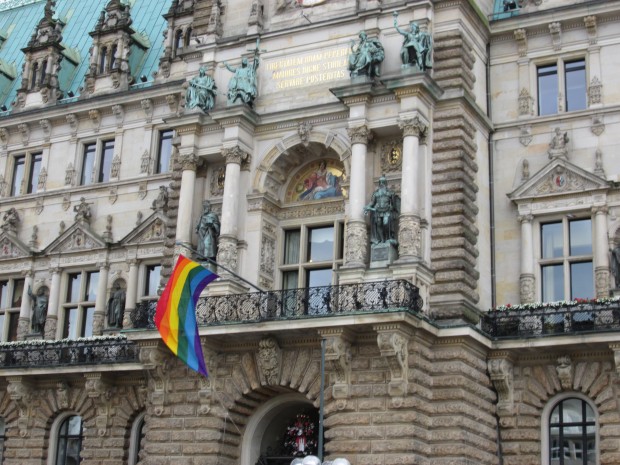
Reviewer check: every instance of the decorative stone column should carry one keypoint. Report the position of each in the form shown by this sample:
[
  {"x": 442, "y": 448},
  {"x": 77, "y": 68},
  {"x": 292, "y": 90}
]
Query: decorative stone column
[
  {"x": 189, "y": 164},
  {"x": 409, "y": 231},
  {"x": 527, "y": 281},
  {"x": 356, "y": 237},
  {"x": 23, "y": 324},
  {"x": 100, "y": 302},
  {"x": 601, "y": 252},
  {"x": 131, "y": 297},
  {"x": 51, "y": 321},
  {"x": 227, "y": 254}
]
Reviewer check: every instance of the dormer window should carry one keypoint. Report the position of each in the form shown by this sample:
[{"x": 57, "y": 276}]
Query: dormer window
[
  {"x": 33, "y": 76},
  {"x": 103, "y": 59},
  {"x": 113, "y": 56},
  {"x": 178, "y": 39}
]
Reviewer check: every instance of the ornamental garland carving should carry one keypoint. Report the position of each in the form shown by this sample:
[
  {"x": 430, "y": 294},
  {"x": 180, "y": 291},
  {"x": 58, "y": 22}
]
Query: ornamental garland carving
[
  {"x": 267, "y": 255},
  {"x": 269, "y": 359},
  {"x": 595, "y": 91},
  {"x": 525, "y": 102},
  {"x": 356, "y": 242}
]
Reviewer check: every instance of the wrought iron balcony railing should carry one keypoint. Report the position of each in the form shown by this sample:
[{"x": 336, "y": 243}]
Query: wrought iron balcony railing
[
  {"x": 311, "y": 302},
  {"x": 590, "y": 317},
  {"x": 35, "y": 354}
]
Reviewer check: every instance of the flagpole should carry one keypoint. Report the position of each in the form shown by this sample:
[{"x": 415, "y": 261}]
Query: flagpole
[
  {"x": 321, "y": 400},
  {"x": 213, "y": 262}
]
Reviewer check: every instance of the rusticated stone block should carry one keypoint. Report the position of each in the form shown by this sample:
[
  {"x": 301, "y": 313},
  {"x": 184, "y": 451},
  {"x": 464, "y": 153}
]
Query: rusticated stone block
[
  {"x": 348, "y": 419},
  {"x": 371, "y": 404},
  {"x": 345, "y": 447}
]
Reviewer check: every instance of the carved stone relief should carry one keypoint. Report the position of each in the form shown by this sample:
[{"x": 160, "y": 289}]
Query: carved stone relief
[{"x": 269, "y": 359}]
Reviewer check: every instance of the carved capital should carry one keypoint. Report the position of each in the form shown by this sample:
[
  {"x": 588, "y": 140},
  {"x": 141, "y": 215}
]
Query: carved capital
[
  {"x": 360, "y": 135},
  {"x": 525, "y": 218},
  {"x": 413, "y": 127},
  {"x": 189, "y": 162},
  {"x": 501, "y": 373},
  {"x": 235, "y": 155}
]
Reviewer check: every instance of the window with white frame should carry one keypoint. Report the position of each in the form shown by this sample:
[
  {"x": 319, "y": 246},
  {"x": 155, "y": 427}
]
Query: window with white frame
[
  {"x": 69, "y": 441},
  {"x": 97, "y": 162},
  {"x": 26, "y": 169},
  {"x": 566, "y": 266},
  {"x": 79, "y": 306},
  {"x": 562, "y": 81},
  {"x": 311, "y": 255},
  {"x": 11, "y": 291},
  {"x": 152, "y": 275},
  {"x": 572, "y": 433},
  {"x": 164, "y": 150}
]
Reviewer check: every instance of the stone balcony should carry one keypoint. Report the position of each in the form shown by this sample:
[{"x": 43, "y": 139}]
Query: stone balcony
[
  {"x": 297, "y": 304},
  {"x": 65, "y": 352},
  {"x": 552, "y": 319}
]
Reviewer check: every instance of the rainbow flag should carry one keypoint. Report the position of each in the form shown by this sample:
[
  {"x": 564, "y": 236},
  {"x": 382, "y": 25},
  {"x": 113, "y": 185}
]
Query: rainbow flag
[{"x": 175, "y": 316}]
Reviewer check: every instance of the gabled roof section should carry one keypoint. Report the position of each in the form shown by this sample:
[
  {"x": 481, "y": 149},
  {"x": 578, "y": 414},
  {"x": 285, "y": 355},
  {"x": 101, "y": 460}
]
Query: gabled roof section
[
  {"x": 12, "y": 247},
  {"x": 79, "y": 18},
  {"x": 558, "y": 178},
  {"x": 151, "y": 230},
  {"x": 77, "y": 238}
]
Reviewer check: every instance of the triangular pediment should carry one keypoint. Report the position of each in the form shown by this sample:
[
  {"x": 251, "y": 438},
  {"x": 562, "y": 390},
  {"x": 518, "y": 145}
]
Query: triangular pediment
[
  {"x": 559, "y": 177},
  {"x": 12, "y": 247},
  {"x": 151, "y": 230},
  {"x": 78, "y": 237}
]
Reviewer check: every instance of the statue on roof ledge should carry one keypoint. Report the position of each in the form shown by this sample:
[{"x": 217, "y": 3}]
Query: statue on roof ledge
[
  {"x": 366, "y": 56},
  {"x": 201, "y": 92},
  {"x": 417, "y": 46},
  {"x": 243, "y": 85}
]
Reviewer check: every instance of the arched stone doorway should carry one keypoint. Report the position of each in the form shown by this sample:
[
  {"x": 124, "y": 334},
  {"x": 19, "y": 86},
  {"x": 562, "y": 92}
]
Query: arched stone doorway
[{"x": 266, "y": 430}]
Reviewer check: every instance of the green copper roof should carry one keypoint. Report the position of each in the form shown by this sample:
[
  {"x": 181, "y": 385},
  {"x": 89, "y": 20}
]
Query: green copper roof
[{"x": 17, "y": 24}]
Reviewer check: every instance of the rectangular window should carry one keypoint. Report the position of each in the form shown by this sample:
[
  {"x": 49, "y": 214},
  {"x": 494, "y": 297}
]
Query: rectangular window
[
  {"x": 575, "y": 79},
  {"x": 153, "y": 274},
  {"x": 79, "y": 306},
  {"x": 567, "y": 270},
  {"x": 547, "y": 90},
  {"x": 563, "y": 78},
  {"x": 10, "y": 302},
  {"x": 164, "y": 151},
  {"x": 310, "y": 256},
  {"x": 26, "y": 169},
  {"x": 97, "y": 162}
]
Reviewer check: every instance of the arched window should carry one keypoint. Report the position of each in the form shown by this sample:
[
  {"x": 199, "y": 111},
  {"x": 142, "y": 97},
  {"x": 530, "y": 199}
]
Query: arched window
[
  {"x": 572, "y": 433},
  {"x": 103, "y": 59},
  {"x": 43, "y": 72},
  {"x": 178, "y": 39},
  {"x": 113, "y": 56},
  {"x": 136, "y": 439},
  {"x": 188, "y": 36},
  {"x": 33, "y": 76},
  {"x": 69, "y": 441}
]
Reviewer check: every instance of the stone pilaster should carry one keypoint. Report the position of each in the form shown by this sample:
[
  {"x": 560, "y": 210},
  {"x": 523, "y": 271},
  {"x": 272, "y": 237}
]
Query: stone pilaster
[
  {"x": 51, "y": 321},
  {"x": 601, "y": 252},
  {"x": 132, "y": 292}
]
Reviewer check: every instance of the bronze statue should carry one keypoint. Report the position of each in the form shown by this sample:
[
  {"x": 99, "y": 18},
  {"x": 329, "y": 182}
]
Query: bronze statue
[
  {"x": 39, "y": 309},
  {"x": 243, "y": 85},
  {"x": 615, "y": 265},
  {"x": 201, "y": 92},
  {"x": 116, "y": 306},
  {"x": 383, "y": 208},
  {"x": 366, "y": 57},
  {"x": 417, "y": 46},
  {"x": 208, "y": 229}
]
